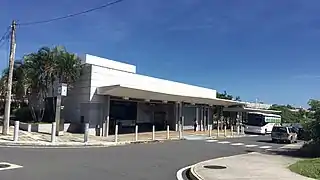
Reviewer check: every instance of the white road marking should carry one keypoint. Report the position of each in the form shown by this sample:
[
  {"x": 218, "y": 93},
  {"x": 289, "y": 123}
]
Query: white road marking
[
  {"x": 212, "y": 140},
  {"x": 12, "y": 166},
  {"x": 179, "y": 173},
  {"x": 224, "y": 142},
  {"x": 237, "y": 144},
  {"x": 251, "y": 145},
  {"x": 253, "y": 135},
  {"x": 265, "y": 147}
]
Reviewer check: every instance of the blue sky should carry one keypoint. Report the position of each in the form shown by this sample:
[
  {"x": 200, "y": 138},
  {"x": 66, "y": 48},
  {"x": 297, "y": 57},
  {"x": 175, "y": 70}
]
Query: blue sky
[{"x": 265, "y": 49}]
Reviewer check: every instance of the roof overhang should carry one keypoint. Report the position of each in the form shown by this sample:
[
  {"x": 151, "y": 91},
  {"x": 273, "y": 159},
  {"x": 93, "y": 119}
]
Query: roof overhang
[
  {"x": 245, "y": 109},
  {"x": 130, "y": 92}
]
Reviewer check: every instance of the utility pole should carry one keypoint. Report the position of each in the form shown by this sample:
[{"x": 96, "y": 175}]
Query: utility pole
[{"x": 6, "y": 122}]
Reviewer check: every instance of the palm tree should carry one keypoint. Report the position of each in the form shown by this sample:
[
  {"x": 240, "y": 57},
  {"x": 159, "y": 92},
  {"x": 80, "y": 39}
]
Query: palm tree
[
  {"x": 67, "y": 66},
  {"x": 44, "y": 69}
]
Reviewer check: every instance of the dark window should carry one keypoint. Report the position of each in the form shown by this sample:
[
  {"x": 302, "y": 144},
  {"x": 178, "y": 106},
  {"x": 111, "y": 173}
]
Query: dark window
[
  {"x": 255, "y": 120},
  {"x": 123, "y": 110},
  {"x": 279, "y": 129}
]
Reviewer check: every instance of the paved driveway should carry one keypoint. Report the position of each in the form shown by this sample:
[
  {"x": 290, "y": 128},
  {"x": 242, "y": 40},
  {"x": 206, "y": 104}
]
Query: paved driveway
[{"x": 135, "y": 162}]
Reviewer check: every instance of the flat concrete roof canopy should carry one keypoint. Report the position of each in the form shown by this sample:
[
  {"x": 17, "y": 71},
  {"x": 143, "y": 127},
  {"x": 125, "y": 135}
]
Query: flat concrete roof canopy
[
  {"x": 245, "y": 109},
  {"x": 130, "y": 92}
]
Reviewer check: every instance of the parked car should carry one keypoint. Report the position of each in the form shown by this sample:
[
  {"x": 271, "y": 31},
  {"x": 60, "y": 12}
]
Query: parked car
[
  {"x": 284, "y": 134},
  {"x": 299, "y": 130}
]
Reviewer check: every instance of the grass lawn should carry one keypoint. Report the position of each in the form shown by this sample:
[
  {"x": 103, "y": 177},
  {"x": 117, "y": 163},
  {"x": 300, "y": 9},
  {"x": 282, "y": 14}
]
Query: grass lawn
[{"x": 307, "y": 167}]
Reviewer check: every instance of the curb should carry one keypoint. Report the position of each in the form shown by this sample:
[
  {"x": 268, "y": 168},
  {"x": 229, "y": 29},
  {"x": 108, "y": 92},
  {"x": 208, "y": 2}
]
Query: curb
[
  {"x": 193, "y": 174},
  {"x": 196, "y": 176},
  {"x": 78, "y": 145}
]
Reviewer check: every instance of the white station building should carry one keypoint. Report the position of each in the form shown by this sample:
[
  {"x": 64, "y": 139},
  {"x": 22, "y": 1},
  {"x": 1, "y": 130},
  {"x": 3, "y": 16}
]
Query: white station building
[{"x": 113, "y": 92}]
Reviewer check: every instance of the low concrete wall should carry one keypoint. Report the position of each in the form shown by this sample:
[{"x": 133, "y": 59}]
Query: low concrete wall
[{"x": 44, "y": 128}]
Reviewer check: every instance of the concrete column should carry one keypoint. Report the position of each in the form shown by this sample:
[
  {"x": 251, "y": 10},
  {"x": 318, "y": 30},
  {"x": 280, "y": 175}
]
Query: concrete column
[
  {"x": 106, "y": 127},
  {"x": 53, "y": 132},
  {"x": 16, "y": 131},
  {"x": 197, "y": 118},
  {"x": 181, "y": 120},
  {"x": 177, "y": 116},
  {"x": 210, "y": 117},
  {"x": 205, "y": 123},
  {"x": 107, "y": 124},
  {"x": 201, "y": 119}
]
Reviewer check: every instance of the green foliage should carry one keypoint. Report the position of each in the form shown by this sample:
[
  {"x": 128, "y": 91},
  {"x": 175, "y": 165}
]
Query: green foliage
[
  {"x": 36, "y": 76},
  {"x": 287, "y": 115},
  {"x": 23, "y": 114},
  {"x": 313, "y": 126},
  {"x": 307, "y": 167},
  {"x": 224, "y": 95}
]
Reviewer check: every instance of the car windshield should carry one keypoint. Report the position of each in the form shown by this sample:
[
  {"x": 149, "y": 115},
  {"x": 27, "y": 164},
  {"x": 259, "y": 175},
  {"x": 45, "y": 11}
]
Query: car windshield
[{"x": 280, "y": 129}]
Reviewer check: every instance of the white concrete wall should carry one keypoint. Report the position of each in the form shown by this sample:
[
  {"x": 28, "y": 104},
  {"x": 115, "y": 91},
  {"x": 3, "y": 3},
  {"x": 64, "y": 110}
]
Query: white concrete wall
[
  {"x": 44, "y": 128},
  {"x": 80, "y": 93},
  {"x": 106, "y": 77},
  {"x": 103, "y": 62},
  {"x": 82, "y": 100}
]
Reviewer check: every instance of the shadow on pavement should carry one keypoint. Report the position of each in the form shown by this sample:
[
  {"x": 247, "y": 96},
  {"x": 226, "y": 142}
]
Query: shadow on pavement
[
  {"x": 298, "y": 153},
  {"x": 270, "y": 141}
]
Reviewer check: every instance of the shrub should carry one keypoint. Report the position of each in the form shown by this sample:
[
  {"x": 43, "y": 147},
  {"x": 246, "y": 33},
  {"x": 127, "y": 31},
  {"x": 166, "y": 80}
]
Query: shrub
[
  {"x": 310, "y": 149},
  {"x": 23, "y": 114}
]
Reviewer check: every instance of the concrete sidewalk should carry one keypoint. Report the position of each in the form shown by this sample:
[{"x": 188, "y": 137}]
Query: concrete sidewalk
[
  {"x": 252, "y": 166},
  {"x": 72, "y": 139}
]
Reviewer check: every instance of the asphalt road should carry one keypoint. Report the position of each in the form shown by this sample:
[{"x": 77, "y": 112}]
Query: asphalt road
[{"x": 157, "y": 161}]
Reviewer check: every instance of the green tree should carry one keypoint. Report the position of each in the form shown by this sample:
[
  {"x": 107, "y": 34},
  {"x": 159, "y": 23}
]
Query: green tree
[
  {"x": 313, "y": 126},
  {"x": 288, "y": 115},
  {"x": 43, "y": 70},
  {"x": 224, "y": 95},
  {"x": 18, "y": 84}
]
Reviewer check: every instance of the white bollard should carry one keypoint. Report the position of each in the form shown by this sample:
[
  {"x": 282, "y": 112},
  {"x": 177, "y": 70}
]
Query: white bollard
[
  {"x": 29, "y": 127},
  {"x": 107, "y": 127},
  {"x": 168, "y": 132},
  {"x": 53, "y": 132},
  {"x": 238, "y": 130},
  {"x": 242, "y": 130},
  {"x": 225, "y": 131},
  {"x": 136, "y": 133},
  {"x": 103, "y": 133},
  {"x": 153, "y": 132},
  {"x": 232, "y": 130},
  {"x": 116, "y": 134},
  {"x": 218, "y": 130},
  {"x": 86, "y": 132},
  {"x": 16, "y": 131},
  {"x": 210, "y": 130},
  {"x": 180, "y": 132}
]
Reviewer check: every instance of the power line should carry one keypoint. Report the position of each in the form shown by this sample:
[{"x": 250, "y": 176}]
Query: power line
[
  {"x": 70, "y": 15},
  {"x": 6, "y": 40},
  {"x": 5, "y": 35}
]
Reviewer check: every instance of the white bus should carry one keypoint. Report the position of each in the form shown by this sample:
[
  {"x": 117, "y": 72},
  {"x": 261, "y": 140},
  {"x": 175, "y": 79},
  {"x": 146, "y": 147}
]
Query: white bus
[{"x": 260, "y": 123}]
